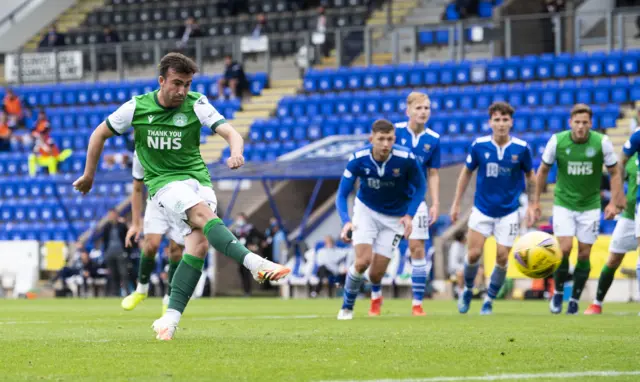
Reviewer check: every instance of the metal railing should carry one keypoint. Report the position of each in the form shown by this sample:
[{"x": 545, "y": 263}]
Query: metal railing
[{"x": 402, "y": 43}]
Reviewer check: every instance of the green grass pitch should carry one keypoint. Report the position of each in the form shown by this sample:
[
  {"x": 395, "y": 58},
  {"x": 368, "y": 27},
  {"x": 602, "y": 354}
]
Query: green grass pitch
[{"x": 300, "y": 340}]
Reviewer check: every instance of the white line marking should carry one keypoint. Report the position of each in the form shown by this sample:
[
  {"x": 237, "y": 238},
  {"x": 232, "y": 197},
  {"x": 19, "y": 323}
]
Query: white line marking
[{"x": 500, "y": 377}]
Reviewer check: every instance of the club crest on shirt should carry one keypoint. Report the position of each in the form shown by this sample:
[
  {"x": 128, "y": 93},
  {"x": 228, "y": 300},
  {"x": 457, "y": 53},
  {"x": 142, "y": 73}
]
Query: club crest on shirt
[
  {"x": 514, "y": 158},
  {"x": 568, "y": 151},
  {"x": 404, "y": 141},
  {"x": 486, "y": 155},
  {"x": 591, "y": 152},
  {"x": 396, "y": 172},
  {"x": 367, "y": 171},
  {"x": 427, "y": 147},
  {"x": 180, "y": 120}
]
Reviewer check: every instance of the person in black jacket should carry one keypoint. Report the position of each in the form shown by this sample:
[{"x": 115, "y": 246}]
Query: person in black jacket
[
  {"x": 253, "y": 239},
  {"x": 115, "y": 254},
  {"x": 52, "y": 39}
]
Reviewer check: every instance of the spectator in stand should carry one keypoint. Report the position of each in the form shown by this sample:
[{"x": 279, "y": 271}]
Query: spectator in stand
[
  {"x": 108, "y": 36},
  {"x": 5, "y": 133},
  {"x": 115, "y": 254},
  {"x": 319, "y": 35},
  {"x": 89, "y": 270},
  {"x": 251, "y": 238},
  {"x": 261, "y": 26},
  {"x": 12, "y": 106},
  {"x": 276, "y": 242},
  {"x": 331, "y": 266},
  {"x": 234, "y": 78},
  {"x": 52, "y": 39},
  {"x": 189, "y": 30},
  {"x": 46, "y": 153},
  {"x": 554, "y": 6}
]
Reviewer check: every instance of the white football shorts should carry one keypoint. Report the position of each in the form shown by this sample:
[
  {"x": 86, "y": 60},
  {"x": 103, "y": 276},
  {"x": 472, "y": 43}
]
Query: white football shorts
[
  {"x": 504, "y": 229},
  {"x": 383, "y": 232},
  {"x": 177, "y": 197}
]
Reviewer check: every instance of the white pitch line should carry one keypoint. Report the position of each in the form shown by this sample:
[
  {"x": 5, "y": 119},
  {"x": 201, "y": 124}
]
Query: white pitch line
[{"x": 501, "y": 377}]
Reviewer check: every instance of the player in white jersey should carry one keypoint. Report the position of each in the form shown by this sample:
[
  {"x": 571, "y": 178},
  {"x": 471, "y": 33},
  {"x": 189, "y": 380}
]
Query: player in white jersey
[
  {"x": 424, "y": 143},
  {"x": 156, "y": 225}
]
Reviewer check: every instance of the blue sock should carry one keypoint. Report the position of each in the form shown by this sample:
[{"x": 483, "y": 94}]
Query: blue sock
[
  {"x": 418, "y": 280},
  {"x": 497, "y": 279},
  {"x": 470, "y": 272},
  {"x": 351, "y": 288},
  {"x": 376, "y": 291}
]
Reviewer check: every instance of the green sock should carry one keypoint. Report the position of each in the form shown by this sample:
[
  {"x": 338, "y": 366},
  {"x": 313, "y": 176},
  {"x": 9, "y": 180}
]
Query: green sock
[
  {"x": 224, "y": 241},
  {"x": 580, "y": 277},
  {"x": 184, "y": 282},
  {"x": 173, "y": 265},
  {"x": 146, "y": 267},
  {"x": 606, "y": 278},
  {"x": 561, "y": 275}
]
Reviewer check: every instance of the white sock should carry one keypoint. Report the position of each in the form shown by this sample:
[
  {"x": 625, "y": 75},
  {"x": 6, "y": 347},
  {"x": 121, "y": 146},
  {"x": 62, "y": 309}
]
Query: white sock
[
  {"x": 252, "y": 261},
  {"x": 376, "y": 295},
  {"x": 416, "y": 303},
  {"x": 142, "y": 288},
  {"x": 487, "y": 299},
  {"x": 352, "y": 270},
  {"x": 596, "y": 302},
  {"x": 173, "y": 316}
]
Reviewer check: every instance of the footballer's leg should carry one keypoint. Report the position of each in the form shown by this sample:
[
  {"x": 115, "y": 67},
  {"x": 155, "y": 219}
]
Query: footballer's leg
[
  {"x": 150, "y": 245},
  {"x": 419, "y": 234},
  {"x": 365, "y": 232},
  {"x": 480, "y": 227},
  {"x": 183, "y": 284},
  {"x": 175, "y": 255},
  {"x": 376, "y": 273},
  {"x": 623, "y": 240},
  {"x": 588, "y": 228},
  {"x": 355, "y": 278},
  {"x": 196, "y": 203},
  {"x": 564, "y": 228},
  {"x": 505, "y": 232}
]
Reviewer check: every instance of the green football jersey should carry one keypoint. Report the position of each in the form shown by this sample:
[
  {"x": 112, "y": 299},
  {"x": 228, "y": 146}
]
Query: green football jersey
[
  {"x": 579, "y": 169},
  {"x": 167, "y": 140},
  {"x": 632, "y": 187}
]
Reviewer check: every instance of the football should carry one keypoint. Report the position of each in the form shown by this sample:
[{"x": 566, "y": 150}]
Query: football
[{"x": 537, "y": 254}]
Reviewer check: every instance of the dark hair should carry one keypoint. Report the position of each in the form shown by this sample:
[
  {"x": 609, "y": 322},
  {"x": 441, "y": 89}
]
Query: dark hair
[
  {"x": 178, "y": 62},
  {"x": 502, "y": 108},
  {"x": 581, "y": 108},
  {"x": 382, "y": 126},
  {"x": 459, "y": 235}
]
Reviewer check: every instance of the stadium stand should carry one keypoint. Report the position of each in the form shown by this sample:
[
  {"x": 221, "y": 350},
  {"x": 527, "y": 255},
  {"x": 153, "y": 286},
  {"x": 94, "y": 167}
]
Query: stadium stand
[{"x": 346, "y": 100}]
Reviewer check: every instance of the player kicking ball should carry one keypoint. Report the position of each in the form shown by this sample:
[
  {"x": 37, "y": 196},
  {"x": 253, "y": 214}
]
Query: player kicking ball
[
  {"x": 167, "y": 125},
  {"x": 424, "y": 143},
  {"x": 157, "y": 224},
  {"x": 580, "y": 154},
  {"x": 503, "y": 162},
  {"x": 392, "y": 186},
  {"x": 623, "y": 239}
]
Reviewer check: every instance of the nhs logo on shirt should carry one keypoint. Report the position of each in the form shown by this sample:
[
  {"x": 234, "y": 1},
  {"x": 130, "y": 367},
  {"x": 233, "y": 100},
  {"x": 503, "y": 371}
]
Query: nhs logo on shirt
[
  {"x": 579, "y": 168},
  {"x": 494, "y": 170}
]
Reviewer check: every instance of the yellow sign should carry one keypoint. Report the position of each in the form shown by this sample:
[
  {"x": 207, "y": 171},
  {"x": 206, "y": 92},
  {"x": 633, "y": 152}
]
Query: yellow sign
[
  {"x": 599, "y": 255},
  {"x": 54, "y": 255}
]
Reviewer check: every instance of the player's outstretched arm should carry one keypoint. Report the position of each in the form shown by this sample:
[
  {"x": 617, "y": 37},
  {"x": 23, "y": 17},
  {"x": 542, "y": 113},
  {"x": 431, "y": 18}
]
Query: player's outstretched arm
[
  {"x": 434, "y": 191},
  {"x": 96, "y": 145},
  {"x": 136, "y": 213},
  {"x": 236, "y": 145},
  {"x": 533, "y": 211},
  {"x": 344, "y": 189},
  {"x": 461, "y": 187},
  {"x": 618, "y": 201}
]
